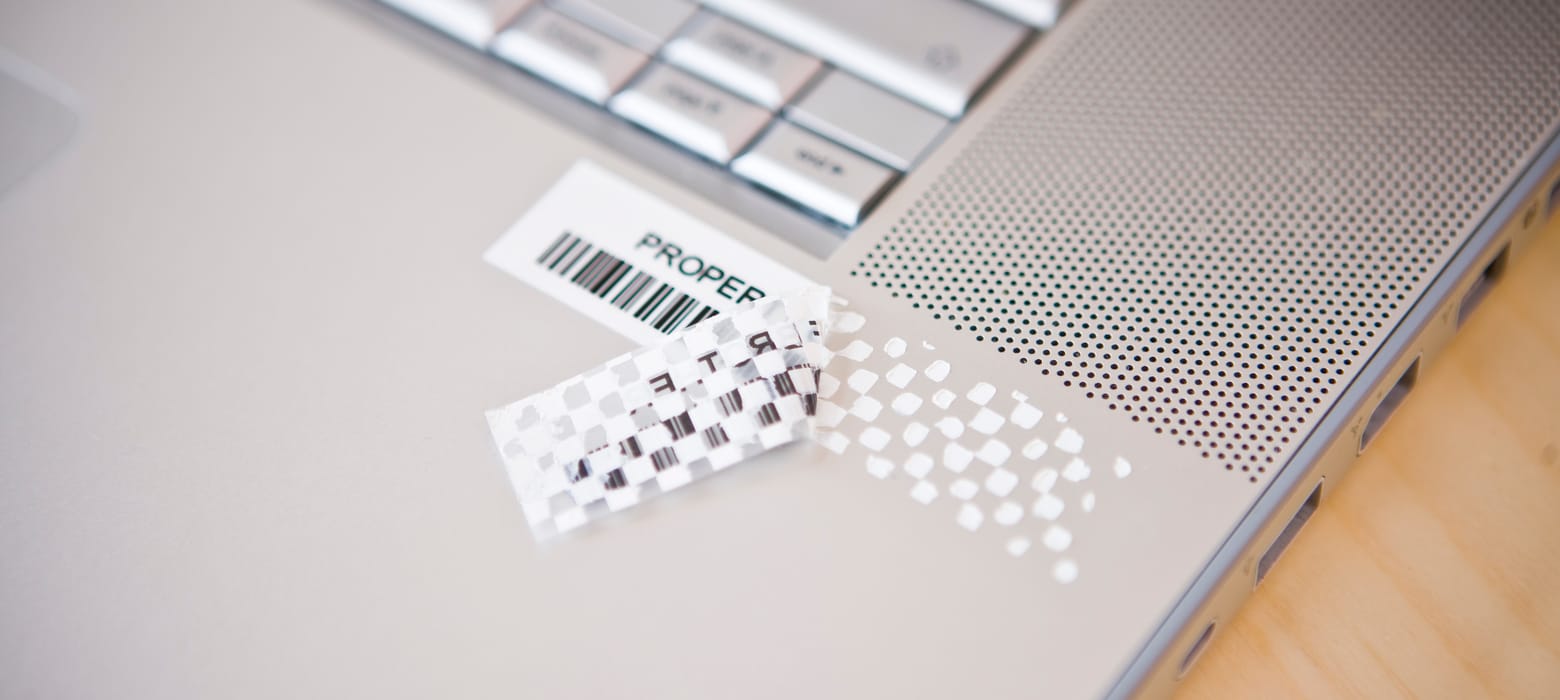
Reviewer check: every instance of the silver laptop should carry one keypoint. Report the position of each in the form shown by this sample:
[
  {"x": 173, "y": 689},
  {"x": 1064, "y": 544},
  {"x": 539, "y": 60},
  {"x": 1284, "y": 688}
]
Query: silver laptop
[{"x": 1127, "y": 286}]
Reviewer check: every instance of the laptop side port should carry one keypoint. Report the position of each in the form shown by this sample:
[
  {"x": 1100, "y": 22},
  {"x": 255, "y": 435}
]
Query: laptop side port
[
  {"x": 1482, "y": 284},
  {"x": 1295, "y": 524},
  {"x": 1197, "y": 649},
  {"x": 1389, "y": 404}
]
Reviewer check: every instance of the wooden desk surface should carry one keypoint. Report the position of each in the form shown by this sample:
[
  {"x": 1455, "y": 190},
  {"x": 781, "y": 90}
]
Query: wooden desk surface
[{"x": 1434, "y": 569}]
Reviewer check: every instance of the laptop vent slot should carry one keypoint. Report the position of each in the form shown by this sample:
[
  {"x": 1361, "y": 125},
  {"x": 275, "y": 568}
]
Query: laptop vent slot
[{"x": 1213, "y": 235}]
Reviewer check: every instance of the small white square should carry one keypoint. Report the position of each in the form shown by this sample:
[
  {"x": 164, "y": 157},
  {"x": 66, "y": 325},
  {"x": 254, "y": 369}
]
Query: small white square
[
  {"x": 848, "y": 322},
  {"x": 924, "y": 492},
  {"x": 1001, "y": 482},
  {"x": 833, "y": 442},
  {"x": 1016, "y": 546},
  {"x": 858, "y": 350},
  {"x": 919, "y": 465},
  {"x": 1087, "y": 502},
  {"x": 906, "y": 404},
  {"x": 1076, "y": 470},
  {"x": 995, "y": 452},
  {"x": 1069, "y": 441},
  {"x": 1044, "y": 480},
  {"x": 981, "y": 393},
  {"x": 674, "y": 477},
  {"x": 1057, "y": 538},
  {"x": 866, "y": 408},
  {"x": 570, "y": 519},
  {"x": 937, "y": 371},
  {"x": 1065, "y": 571},
  {"x": 828, "y": 414},
  {"x": 915, "y": 434},
  {"x": 963, "y": 489},
  {"x": 987, "y": 421},
  {"x": 894, "y": 347},
  {"x": 1048, "y": 506},
  {"x": 956, "y": 457},
  {"x": 873, "y": 438},
  {"x": 827, "y": 385},
  {"x": 950, "y": 427},
  {"x": 1026, "y": 416},
  {"x": 1034, "y": 448},
  {"x": 943, "y": 398},
  {"x": 1122, "y": 468},
  {"x": 900, "y": 375},
  {"x": 879, "y": 467},
  {"x": 970, "y": 517},
  {"x": 861, "y": 380},
  {"x": 1008, "y": 513}
]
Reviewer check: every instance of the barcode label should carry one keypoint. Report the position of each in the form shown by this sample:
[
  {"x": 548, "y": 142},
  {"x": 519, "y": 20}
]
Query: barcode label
[
  {"x": 632, "y": 262},
  {"x": 632, "y": 291}
]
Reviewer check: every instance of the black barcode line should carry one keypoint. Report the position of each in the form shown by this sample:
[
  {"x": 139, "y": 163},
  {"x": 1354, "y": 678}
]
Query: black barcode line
[{"x": 604, "y": 275}]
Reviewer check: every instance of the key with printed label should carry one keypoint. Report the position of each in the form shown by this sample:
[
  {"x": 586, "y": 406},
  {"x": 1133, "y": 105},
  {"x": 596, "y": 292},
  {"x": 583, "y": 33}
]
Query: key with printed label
[
  {"x": 571, "y": 55},
  {"x": 701, "y": 117},
  {"x": 884, "y": 126},
  {"x": 473, "y": 22},
  {"x": 816, "y": 173},
  {"x": 937, "y": 53},
  {"x": 642, "y": 24},
  {"x": 741, "y": 60}
]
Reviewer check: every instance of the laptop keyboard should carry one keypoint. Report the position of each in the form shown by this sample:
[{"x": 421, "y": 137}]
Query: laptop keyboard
[{"x": 823, "y": 103}]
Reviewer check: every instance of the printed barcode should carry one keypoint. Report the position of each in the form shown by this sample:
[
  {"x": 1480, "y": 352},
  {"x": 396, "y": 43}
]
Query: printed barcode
[{"x": 614, "y": 280}]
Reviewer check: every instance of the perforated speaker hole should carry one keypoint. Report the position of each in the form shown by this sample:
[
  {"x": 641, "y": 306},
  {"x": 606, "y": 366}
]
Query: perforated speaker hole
[{"x": 1211, "y": 233}]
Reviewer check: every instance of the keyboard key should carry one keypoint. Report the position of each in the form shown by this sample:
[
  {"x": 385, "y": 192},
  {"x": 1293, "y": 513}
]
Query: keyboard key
[
  {"x": 1036, "y": 13},
  {"x": 937, "y": 53},
  {"x": 577, "y": 58},
  {"x": 690, "y": 112},
  {"x": 642, "y": 24},
  {"x": 744, "y": 61},
  {"x": 816, "y": 173},
  {"x": 473, "y": 22},
  {"x": 881, "y": 125}
]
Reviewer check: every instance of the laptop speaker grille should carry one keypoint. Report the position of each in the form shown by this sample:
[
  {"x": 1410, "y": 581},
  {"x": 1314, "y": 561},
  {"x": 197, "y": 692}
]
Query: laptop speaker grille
[{"x": 1213, "y": 234}]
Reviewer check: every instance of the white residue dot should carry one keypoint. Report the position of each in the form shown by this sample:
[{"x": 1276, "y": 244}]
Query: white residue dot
[
  {"x": 937, "y": 371},
  {"x": 1034, "y": 448},
  {"x": 956, "y": 457},
  {"x": 900, "y": 375},
  {"x": 1088, "y": 502},
  {"x": 950, "y": 427},
  {"x": 848, "y": 322},
  {"x": 906, "y": 404},
  {"x": 963, "y": 489},
  {"x": 1057, "y": 538},
  {"x": 928, "y": 346},
  {"x": 981, "y": 393},
  {"x": 827, "y": 385},
  {"x": 987, "y": 421},
  {"x": 924, "y": 492},
  {"x": 1025, "y": 416},
  {"x": 919, "y": 465},
  {"x": 1016, "y": 546},
  {"x": 970, "y": 517},
  {"x": 1065, "y": 571},
  {"x": 1069, "y": 441},
  {"x": 1001, "y": 482},
  {"x": 873, "y": 438},
  {"x": 943, "y": 398},
  {"x": 915, "y": 434},
  {"x": 1048, "y": 506},
  {"x": 833, "y": 442},
  {"x": 1122, "y": 468},
  {"x": 866, "y": 408},
  {"x": 994, "y": 452},
  {"x": 1008, "y": 513},
  {"x": 1076, "y": 470},
  {"x": 894, "y": 347},
  {"x": 858, "y": 350},
  {"x": 1044, "y": 480},
  {"x": 879, "y": 467},
  {"x": 1061, "y": 418},
  {"x": 861, "y": 380}
]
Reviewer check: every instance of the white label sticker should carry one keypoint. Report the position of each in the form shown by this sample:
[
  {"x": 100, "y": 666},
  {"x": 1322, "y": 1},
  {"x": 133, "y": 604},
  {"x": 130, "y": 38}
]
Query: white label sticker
[{"x": 628, "y": 259}]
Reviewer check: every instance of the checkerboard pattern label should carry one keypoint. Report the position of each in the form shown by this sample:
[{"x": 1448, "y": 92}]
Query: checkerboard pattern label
[{"x": 660, "y": 417}]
